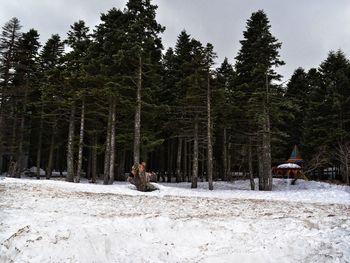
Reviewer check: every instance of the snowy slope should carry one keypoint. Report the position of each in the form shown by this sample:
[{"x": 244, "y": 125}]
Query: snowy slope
[{"x": 53, "y": 221}]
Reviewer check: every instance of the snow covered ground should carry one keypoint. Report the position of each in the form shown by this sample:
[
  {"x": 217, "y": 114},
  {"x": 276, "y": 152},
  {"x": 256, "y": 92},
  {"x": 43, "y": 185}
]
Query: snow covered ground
[{"x": 55, "y": 221}]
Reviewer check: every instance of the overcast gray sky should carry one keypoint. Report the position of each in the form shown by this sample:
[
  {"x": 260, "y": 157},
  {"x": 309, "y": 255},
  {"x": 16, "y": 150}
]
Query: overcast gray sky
[{"x": 308, "y": 29}]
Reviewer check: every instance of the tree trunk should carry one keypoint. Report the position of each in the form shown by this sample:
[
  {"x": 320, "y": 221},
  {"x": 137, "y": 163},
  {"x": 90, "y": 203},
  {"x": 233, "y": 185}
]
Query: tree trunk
[
  {"x": 52, "y": 148},
  {"x": 190, "y": 163},
  {"x": 209, "y": 135},
  {"x": 347, "y": 163},
  {"x": 94, "y": 159},
  {"x": 141, "y": 181},
  {"x": 1, "y": 153},
  {"x": 250, "y": 164},
  {"x": 343, "y": 156},
  {"x": 178, "y": 160},
  {"x": 170, "y": 160},
  {"x": 20, "y": 156},
  {"x": 108, "y": 146},
  {"x": 38, "y": 154},
  {"x": 162, "y": 163},
  {"x": 89, "y": 161},
  {"x": 229, "y": 162},
  {"x": 185, "y": 161},
  {"x": 346, "y": 173},
  {"x": 112, "y": 158},
  {"x": 14, "y": 136},
  {"x": 70, "y": 148},
  {"x": 202, "y": 162},
  {"x": 14, "y": 172},
  {"x": 121, "y": 167},
  {"x": 261, "y": 169},
  {"x": 267, "y": 155},
  {"x": 81, "y": 141},
  {"x": 195, "y": 156},
  {"x": 137, "y": 130},
  {"x": 267, "y": 142},
  {"x": 224, "y": 155},
  {"x": 1, "y": 129}
]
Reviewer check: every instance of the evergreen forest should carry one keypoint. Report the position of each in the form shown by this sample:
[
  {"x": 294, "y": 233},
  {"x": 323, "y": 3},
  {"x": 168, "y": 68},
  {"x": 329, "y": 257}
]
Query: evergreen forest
[{"x": 96, "y": 101}]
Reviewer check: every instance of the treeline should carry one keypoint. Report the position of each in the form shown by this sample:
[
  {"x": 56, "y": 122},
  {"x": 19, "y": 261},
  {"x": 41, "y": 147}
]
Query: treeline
[{"x": 98, "y": 101}]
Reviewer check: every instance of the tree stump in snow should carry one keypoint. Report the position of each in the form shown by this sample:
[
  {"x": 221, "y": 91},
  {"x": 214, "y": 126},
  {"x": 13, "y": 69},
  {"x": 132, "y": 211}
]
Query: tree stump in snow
[{"x": 141, "y": 179}]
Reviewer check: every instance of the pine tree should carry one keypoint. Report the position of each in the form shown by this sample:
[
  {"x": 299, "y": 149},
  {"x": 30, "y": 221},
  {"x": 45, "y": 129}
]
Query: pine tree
[
  {"x": 51, "y": 93},
  {"x": 183, "y": 64},
  {"x": 144, "y": 48},
  {"x": 126, "y": 53},
  {"x": 336, "y": 82},
  {"x": 295, "y": 105},
  {"x": 255, "y": 67},
  {"x": 175, "y": 83},
  {"x": 328, "y": 107},
  {"x": 79, "y": 40},
  {"x": 105, "y": 60},
  {"x": 315, "y": 118},
  {"x": 191, "y": 87},
  {"x": 209, "y": 57},
  {"x": 167, "y": 94},
  {"x": 170, "y": 121},
  {"x": 223, "y": 107},
  {"x": 25, "y": 81},
  {"x": 8, "y": 46},
  {"x": 195, "y": 103}
]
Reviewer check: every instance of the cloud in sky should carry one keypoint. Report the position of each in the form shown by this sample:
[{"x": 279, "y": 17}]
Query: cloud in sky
[{"x": 307, "y": 29}]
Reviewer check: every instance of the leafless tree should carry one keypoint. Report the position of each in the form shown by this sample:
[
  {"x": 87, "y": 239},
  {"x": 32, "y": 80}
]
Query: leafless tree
[
  {"x": 319, "y": 160},
  {"x": 343, "y": 156}
]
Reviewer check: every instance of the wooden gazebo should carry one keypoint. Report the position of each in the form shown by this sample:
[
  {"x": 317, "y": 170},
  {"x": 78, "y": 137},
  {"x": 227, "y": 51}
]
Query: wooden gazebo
[{"x": 291, "y": 169}]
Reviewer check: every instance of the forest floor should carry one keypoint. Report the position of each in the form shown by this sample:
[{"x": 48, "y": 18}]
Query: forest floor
[{"x": 55, "y": 221}]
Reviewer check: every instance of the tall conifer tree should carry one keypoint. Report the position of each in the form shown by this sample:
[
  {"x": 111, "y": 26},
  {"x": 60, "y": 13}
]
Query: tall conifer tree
[
  {"x": 25, "y": 82},
  {"x": 8, "y": 47},
  {"x": 79, "y": 40},
  {"x": 145, "y": 51},
  {"x": 255, "y": 66}
]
